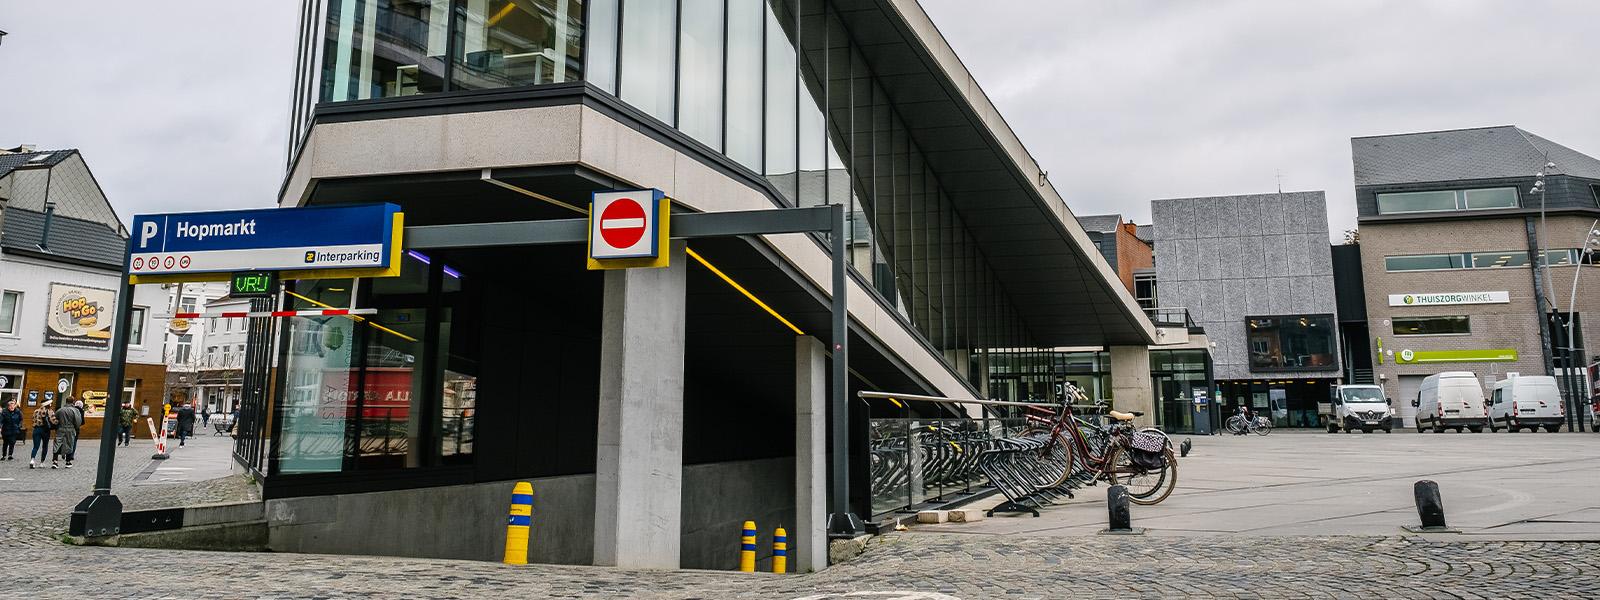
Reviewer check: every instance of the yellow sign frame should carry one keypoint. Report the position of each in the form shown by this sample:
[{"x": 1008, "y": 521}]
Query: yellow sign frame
[{"x": 663, "y": 245}]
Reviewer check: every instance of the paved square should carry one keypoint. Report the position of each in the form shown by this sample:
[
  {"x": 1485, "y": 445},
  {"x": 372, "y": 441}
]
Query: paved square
[{"x": 1521, "y": 486}]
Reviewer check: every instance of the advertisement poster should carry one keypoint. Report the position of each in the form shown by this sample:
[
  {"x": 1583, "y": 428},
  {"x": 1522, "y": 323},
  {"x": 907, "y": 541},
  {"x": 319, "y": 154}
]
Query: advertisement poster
[{"x": 80, "y": 317}]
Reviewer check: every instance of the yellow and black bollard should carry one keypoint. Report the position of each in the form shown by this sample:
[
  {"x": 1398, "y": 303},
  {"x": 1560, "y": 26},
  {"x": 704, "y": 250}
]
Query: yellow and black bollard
[
  {"x": 780, "y": 551},
  {"x": 517, "y": 525},
  {"x": 747, "y": 548}
]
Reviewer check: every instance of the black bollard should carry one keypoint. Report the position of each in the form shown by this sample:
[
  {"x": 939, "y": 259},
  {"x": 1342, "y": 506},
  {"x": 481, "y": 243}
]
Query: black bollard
[
  {"x": 1117, "y": 504},
  {"x": 1183, "y": 449},
  {"x": 1429, "y": 507}
]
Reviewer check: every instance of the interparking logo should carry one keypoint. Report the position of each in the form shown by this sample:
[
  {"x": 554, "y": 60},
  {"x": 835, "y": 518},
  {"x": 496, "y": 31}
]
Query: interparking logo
[{"x": 311, "y": 256}]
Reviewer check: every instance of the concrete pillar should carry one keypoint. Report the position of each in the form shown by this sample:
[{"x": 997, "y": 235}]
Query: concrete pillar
[
  {"x": 808, "y": 541},
  {"x": 1131, "y": 383},
  {"x": 639, "y": 458}
]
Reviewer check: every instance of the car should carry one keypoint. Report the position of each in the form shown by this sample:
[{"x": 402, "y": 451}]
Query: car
[
  {"x": 1451, "y": 400},
  {"x": 1530, "y": 401}
]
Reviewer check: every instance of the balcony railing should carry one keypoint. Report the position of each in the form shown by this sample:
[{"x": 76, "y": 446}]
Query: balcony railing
[{"x": 1170, "y": 316}]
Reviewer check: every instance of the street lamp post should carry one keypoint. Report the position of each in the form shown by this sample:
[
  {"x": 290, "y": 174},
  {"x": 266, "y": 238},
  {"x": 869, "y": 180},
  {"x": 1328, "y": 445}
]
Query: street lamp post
[{"x": 1591, "y": 242}]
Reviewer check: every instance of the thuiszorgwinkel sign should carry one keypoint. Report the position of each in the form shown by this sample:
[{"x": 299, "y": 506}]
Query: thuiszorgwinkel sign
[{"x": 1449, "y": 298}]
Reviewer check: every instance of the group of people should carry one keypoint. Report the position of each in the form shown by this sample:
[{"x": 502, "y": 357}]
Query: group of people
[{"x": 61, "y": 424}]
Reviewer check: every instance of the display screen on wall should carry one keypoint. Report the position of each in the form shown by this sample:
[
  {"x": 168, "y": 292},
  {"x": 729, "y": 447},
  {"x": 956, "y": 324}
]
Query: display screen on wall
[
  {"x": 1291, "y": 343},
  {"x": 80, "y": 317}
]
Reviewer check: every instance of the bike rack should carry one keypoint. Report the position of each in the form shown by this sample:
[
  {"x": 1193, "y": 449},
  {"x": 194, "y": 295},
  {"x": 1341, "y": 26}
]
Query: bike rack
[{"x": 1010, "y": 463}]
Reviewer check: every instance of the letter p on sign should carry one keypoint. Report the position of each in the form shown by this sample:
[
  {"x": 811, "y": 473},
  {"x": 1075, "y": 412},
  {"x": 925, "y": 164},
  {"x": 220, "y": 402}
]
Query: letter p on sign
[{"x": 147, "y": 232}]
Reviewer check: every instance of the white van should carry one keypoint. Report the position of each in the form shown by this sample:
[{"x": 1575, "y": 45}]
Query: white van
[
  {"x": 1451, "y": 400},
  {"x": 1526, "y": 401}
]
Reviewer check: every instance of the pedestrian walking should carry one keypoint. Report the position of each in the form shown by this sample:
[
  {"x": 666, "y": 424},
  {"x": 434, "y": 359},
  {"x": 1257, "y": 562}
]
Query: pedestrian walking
[
  {"x": 205, "y": 416},
  {"x": 10, "y": 430},
  {"x": 44, "y": 424},
  {"x": 69, "y": 420},
  {"x": 185, "y": 422},
  {"x": 233, "y": 423},
  {"x": 125, "y": 418}
]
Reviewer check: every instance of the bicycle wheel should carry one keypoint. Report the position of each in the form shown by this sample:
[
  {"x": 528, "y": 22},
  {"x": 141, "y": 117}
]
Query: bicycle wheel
[
  {"x": 1145, "y": 486},
  {"x": 1054, "y": 459},
  {"x": 1236, "y": 424},
  {"x": 1263, "y": 426}
]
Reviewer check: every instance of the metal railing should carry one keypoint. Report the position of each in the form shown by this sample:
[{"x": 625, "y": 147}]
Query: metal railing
[{"x": 1170, "y": 316}]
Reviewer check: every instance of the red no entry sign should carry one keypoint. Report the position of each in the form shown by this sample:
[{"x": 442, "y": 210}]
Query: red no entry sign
[
  {"x": 626, "y": 224},
  {"x": 622, "y": 223}
]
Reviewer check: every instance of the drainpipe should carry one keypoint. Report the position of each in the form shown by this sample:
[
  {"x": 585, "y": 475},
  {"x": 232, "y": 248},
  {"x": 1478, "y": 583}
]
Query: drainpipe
[{"x": 44, "y": 236}]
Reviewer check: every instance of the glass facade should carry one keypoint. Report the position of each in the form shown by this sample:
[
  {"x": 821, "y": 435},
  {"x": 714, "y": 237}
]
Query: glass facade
[
  {"x": 390, "y": 390},
  {"x": 1454, "y": 325},
  {"x": 1291, "y": 343},
  {"x": 778, "y": 86}
]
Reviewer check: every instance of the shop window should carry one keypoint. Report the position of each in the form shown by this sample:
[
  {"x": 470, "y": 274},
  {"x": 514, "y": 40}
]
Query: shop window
[
  {"x": 1453, "y": 325},
  {"x": 1291, "y": 343},
  {"x": 10, "y": 387}
]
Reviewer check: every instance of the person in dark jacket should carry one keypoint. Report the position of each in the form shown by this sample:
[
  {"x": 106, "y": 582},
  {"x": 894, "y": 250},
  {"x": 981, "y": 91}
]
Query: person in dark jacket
[
  {"x": 126, "y": 418},
  {"x": 70, "y": 420},
  {"x": 185, "y": 422},
  {"x": 10, "y": 430}
]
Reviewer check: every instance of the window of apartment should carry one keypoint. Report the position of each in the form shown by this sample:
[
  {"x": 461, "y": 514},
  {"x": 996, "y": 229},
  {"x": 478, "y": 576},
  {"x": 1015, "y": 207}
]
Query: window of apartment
[
  {"x": 10, "y": 302},
  {"x": 1452, "y": 325},
  {"x": 184, "y": 348},
  {"x": 211, "y": 356},
  {"x": 1447, "y": 200},
  {"x": 1144, "y": 289},
  {"x": 135, "y": 326},
  {"x": 186, "y": 304},
  {"x": 1291, "y": 343}
]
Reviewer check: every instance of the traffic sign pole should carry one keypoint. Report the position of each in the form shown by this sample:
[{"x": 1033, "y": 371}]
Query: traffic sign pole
[{"x": 100, "y": 514}]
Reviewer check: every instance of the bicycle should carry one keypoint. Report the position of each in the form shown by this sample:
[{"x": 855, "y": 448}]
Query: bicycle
[
  {"x": 1240, "y": 425},
  {"x": 1096, "y": 451}
]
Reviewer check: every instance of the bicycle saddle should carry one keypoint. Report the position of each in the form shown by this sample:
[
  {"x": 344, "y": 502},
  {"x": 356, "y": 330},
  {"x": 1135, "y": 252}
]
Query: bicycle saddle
[{"x": 1124, "y": 416}]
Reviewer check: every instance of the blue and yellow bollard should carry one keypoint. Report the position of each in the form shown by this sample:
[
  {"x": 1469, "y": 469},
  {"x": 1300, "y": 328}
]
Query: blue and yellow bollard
[
  {"x": 780, "y": 551},
  {"x": 517, "y": 525},
  {"x": 747, "y": 548}
]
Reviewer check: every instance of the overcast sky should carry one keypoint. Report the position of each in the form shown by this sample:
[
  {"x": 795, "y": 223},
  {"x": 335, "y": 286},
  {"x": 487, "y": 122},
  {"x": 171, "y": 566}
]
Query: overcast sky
[{"x": 185, "y": 107}]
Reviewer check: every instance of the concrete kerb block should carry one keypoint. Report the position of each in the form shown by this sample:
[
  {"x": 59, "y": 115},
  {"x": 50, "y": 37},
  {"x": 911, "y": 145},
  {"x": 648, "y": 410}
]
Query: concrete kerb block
[
  {"x": 933, "y": 517},
  {"x": 966, "y": 515}
]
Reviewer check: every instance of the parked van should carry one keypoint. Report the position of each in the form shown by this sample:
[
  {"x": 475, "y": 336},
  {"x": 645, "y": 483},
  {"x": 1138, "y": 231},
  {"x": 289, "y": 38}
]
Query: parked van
[
  {"x": 1451, "y": 400},
  {"x": 1356, "y": 407},
  {"x": 1531, "y": 401}
]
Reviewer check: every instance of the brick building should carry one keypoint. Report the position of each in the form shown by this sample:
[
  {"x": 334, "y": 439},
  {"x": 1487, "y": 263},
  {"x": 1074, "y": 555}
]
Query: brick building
[
  {"x": 1122, "y": 246},
  {"x": 1451, "y": 234}
]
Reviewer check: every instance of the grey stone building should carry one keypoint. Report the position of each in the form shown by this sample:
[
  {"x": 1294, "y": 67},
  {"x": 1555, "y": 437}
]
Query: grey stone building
[{"x": 1255, "y": 271}]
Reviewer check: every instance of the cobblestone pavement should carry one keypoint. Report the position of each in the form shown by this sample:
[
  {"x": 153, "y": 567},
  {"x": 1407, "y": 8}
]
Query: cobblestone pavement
[
  {"x": 34, "y": 503},
  {"x": 929, "y": 566}
]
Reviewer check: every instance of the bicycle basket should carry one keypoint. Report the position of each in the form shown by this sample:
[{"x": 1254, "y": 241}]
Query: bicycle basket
[{"x": 1148, "y": 442}]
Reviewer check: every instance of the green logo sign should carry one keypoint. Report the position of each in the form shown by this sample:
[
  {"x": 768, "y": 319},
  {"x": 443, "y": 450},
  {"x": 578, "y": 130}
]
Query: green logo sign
[{"x": 1410, "y": 299}]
